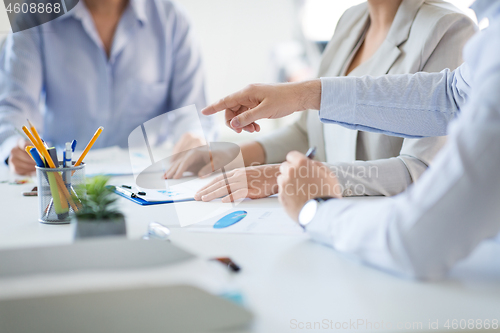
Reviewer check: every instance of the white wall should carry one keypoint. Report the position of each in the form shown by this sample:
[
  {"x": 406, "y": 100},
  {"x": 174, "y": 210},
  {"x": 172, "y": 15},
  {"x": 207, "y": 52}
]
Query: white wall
[{"x": 236, "y": 38}]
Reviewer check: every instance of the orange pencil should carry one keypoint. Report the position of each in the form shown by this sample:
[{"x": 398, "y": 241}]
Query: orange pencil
[
  {"x": 58, "y": 177},
  {"x": 89, "y": 145},
  {"x": 41, "y": 146},
  {"x": 27, "y": 149}
]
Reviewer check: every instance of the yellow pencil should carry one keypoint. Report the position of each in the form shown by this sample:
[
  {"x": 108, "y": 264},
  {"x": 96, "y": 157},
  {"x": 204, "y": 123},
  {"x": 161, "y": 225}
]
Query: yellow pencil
[
  {"x": 30, "y": 137},
  {"x": 34, "y": 142},
  {"x": 89, "y": 145},
  {"x": 27, "y": 149},
  {"x": 41, "y": 148},
  {"x": 60, "y": 204}
]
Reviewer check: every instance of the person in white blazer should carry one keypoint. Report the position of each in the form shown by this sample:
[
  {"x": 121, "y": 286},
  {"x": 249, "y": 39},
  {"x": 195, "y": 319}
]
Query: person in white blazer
[{"x": 411, "y": 36}]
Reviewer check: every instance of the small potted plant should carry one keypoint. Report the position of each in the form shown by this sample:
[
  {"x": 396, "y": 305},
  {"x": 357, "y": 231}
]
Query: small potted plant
[{"x": 99, "y": 215}]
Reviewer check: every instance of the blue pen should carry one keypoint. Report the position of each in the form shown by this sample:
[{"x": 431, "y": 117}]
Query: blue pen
[
  {"x": 311, "y": 153},
  {"x": 73, "y": 145}
]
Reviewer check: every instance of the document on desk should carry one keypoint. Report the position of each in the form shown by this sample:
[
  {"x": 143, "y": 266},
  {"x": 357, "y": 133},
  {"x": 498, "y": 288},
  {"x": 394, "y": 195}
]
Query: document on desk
[
  {"x": 112, "y": 161},
  {"x": 116, "y": 161},
  {"x": 264, "y": 220}
]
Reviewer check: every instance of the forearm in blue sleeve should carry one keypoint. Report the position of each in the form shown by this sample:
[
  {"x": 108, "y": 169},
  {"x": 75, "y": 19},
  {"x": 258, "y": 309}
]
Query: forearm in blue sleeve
[{"x": 412, "y": 106}]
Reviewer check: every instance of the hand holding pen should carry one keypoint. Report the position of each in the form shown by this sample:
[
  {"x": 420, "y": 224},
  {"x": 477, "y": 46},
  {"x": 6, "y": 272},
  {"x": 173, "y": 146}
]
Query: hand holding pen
[
  {"x": 302, "y": 179},
  {"x": 19, "y": 162}
]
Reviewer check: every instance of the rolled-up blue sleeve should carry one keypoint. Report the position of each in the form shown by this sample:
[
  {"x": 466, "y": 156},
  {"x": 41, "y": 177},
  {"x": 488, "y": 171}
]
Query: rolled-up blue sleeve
[{"x": 412, "y": 106}]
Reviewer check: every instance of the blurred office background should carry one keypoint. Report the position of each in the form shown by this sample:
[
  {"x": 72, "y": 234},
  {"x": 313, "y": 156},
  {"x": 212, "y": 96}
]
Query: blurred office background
[
  {"x": 259, "y": 41},
  {"x": 254, "y": 41}
]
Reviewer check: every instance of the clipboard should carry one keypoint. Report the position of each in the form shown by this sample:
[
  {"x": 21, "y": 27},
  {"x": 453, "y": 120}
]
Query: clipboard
[{"x": 142, "y": 202}]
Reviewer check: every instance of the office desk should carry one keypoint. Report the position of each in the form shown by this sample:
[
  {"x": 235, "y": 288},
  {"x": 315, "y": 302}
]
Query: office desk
[{"x": 288, "y": 280}]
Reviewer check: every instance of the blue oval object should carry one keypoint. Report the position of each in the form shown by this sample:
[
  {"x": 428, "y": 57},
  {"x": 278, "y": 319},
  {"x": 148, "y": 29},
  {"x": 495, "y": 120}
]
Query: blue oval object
[{"x": 230, "y": 219}]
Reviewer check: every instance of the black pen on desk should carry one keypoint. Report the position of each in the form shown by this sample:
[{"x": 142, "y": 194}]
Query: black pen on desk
[
  {"x": 125, "y": 191},
  {"x": 229, "y": 263},
  {"x": 311, "y": 153},
  {"x": 133, "y": 195}
]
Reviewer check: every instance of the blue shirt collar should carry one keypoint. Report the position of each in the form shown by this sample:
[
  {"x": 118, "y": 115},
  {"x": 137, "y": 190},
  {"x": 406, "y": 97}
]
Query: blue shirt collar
[
  {"x": 485, "y": 8},
  {"x": 80, "y": 11}
]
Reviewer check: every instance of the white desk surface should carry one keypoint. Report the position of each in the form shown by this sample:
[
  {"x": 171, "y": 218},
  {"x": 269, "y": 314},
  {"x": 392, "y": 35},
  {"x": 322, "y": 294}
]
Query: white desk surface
[{"x": 287, "y": 278}]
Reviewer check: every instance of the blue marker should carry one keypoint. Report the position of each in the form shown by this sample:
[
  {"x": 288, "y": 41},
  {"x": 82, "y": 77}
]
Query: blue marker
[
  {"x": 37, "y": 158},
  {"x": 73, "y": 145},
  {"x": 230, "y": 219},
  {"x": 67, "y": 155}
]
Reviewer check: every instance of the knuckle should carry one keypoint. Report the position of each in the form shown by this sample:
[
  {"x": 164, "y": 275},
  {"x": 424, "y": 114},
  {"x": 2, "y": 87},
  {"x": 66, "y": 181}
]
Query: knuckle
[
  {"x": 252, "y": 87},
  {"x": 302, "y": 162},
  {"x": 244, "y": 116}
]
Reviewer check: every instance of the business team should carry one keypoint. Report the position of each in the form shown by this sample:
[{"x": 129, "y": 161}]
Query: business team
[
  {"x": 395, "y": 123},
  {"x": 374, "y": 38},
  {"x": 453, "y": 207}
]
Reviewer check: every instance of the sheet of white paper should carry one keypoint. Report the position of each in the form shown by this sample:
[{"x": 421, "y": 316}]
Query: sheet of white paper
[
  {"x": 259, "y": 220},
  {"x": 112, "y": 161}
]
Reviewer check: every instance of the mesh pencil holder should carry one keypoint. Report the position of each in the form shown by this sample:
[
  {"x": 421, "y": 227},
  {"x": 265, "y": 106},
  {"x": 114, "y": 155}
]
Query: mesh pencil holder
[{"x": 58, "y": 193}]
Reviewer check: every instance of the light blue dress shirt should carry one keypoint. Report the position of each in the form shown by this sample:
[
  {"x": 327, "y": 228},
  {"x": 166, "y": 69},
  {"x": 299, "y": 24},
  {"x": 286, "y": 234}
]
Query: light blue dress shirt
[
  {"x": 456, "y": 204},
  {"x": 59, "y": 76}
]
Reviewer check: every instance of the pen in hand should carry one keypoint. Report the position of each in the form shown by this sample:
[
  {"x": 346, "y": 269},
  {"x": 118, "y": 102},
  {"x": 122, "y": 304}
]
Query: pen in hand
[{"x": 311, "y": 153}]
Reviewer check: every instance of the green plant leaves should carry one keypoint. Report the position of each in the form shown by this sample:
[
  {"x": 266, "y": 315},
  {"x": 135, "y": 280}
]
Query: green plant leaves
[{"x": 99, "y": 202}]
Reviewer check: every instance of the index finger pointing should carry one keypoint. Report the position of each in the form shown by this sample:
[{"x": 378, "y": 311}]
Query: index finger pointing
[
  {"x": 234, "y": 101},
  {"x": 228, "y": 102}
]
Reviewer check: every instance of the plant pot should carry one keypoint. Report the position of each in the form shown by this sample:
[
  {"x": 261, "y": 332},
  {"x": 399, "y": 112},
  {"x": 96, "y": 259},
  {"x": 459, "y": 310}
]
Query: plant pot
[{"x": 85, "y": 228}]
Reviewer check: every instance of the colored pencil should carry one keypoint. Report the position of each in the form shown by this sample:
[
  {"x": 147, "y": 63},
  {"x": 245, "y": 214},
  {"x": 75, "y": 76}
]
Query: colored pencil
[{"x": 89, "y": 145}]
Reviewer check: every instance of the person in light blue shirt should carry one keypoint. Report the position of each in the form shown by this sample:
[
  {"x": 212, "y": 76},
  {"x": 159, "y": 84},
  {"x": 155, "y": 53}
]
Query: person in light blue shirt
[
  {"x": 110, "y": 63},
  {"x": 454, "y": 206}
]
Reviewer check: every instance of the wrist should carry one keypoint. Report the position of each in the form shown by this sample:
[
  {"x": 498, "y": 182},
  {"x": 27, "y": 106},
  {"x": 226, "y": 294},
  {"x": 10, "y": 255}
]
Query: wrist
[
  {"x": 253, "y": 153},
  {"x": 274, "y": 178},
  {"x": 310, "y": 209},
  {"x": 269, "y": 176},
  {"x": 310, "y": 92}
]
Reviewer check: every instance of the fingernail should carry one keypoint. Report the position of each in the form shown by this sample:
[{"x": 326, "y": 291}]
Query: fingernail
[{"x": 235, "y": 122}]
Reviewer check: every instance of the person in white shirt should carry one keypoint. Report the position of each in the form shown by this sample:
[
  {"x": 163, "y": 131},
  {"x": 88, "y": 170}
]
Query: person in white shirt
[{"x": 455, "y": 206}]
